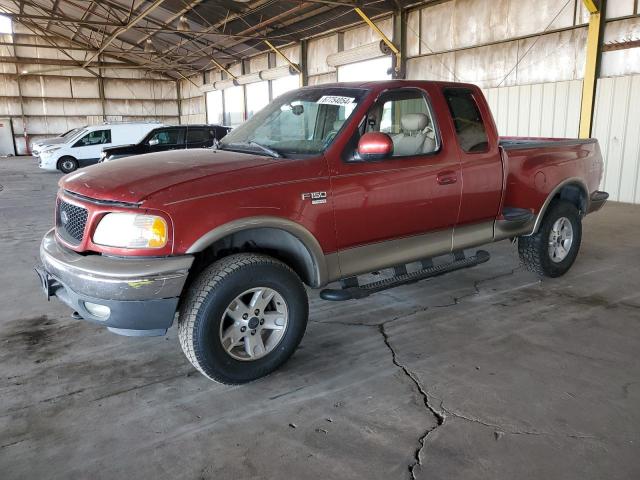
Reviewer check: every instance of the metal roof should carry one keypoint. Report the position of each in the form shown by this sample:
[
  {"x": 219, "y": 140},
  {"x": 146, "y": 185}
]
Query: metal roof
[{"x": 151, "y": 33}]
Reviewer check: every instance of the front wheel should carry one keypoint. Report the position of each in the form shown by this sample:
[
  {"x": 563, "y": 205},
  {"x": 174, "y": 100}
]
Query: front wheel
[
  {"x": 67, "y": 164},
  {"x": 243, "y": 317},
  {"x": 552, "y": 250}
]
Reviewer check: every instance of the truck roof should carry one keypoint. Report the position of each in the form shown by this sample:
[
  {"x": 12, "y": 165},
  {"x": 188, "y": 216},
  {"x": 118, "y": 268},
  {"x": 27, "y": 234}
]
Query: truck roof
[{"x": 382, "y": 84}]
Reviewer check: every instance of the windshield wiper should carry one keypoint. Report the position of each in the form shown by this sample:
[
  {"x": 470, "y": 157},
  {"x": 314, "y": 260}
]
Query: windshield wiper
[{"x": 274, "y": 153}]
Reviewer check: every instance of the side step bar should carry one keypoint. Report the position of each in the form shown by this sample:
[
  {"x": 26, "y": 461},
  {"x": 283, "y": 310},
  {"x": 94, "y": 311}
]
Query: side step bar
[{"x": 353, "y": 291}]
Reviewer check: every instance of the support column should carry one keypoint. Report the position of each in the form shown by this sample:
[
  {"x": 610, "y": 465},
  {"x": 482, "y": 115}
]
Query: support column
[
  {"x": 592, "y": 66},
  {"x": 400, "y": 40},
  {"x": 304, "y": 71}
]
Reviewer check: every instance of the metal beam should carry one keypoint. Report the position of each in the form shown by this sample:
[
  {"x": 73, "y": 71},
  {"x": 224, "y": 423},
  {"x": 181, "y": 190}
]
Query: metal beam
[
  {"x": 121, "y": 30},
  {"x": 62, "y": 19},
  {"x": 286, "y": 59},
  {"x": 594, "y": 47},
  {"x": 383, "y": 37}
]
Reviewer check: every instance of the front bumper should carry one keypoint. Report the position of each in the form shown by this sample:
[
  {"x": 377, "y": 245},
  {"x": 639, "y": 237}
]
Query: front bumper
[{"x": 141, "y": 293}]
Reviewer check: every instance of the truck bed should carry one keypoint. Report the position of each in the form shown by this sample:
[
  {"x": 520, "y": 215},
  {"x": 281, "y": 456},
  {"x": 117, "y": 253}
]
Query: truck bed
[{"x": 520, "y": 143}]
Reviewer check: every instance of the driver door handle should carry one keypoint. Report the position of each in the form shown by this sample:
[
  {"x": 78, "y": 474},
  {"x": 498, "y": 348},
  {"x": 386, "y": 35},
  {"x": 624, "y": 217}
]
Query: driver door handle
[{"x": 447, "y": 177}]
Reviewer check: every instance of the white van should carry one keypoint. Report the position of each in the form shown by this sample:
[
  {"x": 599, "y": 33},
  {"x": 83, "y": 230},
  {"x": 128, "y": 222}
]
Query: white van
[
  {"x": 39, "y": 145},
  {"x": 85, "y": 147}
]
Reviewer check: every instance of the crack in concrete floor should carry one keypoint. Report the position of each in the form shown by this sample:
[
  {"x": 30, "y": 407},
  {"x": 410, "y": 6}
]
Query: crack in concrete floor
[{"x": 439, "y": 415}]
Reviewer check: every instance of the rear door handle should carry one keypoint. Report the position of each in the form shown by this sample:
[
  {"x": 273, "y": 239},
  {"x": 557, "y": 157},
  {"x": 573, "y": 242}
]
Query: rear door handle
[{"x": 447, "y": 177}]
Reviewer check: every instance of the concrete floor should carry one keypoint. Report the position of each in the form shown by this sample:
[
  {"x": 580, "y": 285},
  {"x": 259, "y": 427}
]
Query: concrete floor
[{"x": 485, "y": 373}]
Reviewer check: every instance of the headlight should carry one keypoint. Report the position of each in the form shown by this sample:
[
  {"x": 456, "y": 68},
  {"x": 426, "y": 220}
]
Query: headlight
[
  {"x": 49, "y": 150},
  {"x": 130, "y": 230}
]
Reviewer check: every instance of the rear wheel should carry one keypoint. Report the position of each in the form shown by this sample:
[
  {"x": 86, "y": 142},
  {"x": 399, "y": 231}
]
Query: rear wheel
[
  {"x": 67, "y": 164},
  {"x": 243, "y": 317},
  {"x": 552, "y": 250}
]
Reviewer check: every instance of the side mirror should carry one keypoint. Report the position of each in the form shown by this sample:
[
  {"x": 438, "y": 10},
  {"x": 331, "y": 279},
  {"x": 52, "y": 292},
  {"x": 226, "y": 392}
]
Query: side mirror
[
  {"x": 375, "y": 146},
  {"x": 153, "y": 141}
]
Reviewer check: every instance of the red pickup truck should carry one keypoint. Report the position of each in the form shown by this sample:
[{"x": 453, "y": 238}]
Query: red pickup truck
[{"x": 324, "y": 184}]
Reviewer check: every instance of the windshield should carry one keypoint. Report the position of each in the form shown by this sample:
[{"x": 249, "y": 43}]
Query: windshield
[
  {"x": 76, "y": 134},
  {"x": 303, "y": 122},
  {"x": 70, "y": 133}
]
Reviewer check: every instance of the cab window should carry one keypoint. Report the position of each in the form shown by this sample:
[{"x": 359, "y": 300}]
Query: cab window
[
  {"x": 97, "y": 137},
  {"x": 199, "y": 135},
  {"x": 404, "y": 115},
  {"x": 470, "y": 129},
  {"x": 173, "y": 136}
]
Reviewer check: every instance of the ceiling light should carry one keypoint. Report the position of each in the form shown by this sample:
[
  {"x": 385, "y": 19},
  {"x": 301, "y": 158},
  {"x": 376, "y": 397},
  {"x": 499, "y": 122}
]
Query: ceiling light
[
  {"x": 183, "y": 24},
  {"x": 149, "y": 47}
]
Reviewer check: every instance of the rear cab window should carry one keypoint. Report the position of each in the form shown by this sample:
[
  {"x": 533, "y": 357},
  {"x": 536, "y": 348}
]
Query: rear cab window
[
  {"x": 467, "y": 120},
  {"x": 198, "y": 135}
]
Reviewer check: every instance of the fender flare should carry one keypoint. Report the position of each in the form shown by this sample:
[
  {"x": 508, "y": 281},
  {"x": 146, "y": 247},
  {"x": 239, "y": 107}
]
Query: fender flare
[
  {"x": 579, "y": 182},
  {"x": 304, "y": 236}
]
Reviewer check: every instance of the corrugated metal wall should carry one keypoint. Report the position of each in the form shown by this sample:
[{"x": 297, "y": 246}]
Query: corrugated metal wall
[
  {"x": 193, "y": 107},
  {"x": 617, "y": 127},
  {"x": 56, "y": 100},
  {"x": 538, "y": 110}
]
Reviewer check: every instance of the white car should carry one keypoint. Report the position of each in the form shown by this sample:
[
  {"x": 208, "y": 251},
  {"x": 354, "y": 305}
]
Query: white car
[
  {"x": 39, "y": 145},
  {"x": 85, "y": 147}
]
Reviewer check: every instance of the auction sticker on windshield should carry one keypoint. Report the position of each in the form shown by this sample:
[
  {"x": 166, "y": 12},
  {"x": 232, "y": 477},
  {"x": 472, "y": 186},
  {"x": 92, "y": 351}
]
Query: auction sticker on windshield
[{"x": 335, "y": 100}]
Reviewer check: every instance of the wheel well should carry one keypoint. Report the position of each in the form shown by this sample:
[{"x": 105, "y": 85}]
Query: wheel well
[
  {"x": 63, "y": 158},
  {"x": 275, "y": 242},
  {"x": 574, "y": 194}
]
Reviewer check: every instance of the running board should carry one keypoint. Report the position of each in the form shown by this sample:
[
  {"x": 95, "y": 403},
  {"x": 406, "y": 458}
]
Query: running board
[{"x": 353, "y": 291}]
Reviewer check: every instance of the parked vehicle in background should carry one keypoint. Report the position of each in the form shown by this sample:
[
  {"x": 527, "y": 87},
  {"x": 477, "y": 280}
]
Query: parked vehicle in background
[
  {"x": 39, "y": 145},
  {"x": 169, "y": 138},
  {"x": 326, "y": 183},
  {"x": 85, "y": 147}
]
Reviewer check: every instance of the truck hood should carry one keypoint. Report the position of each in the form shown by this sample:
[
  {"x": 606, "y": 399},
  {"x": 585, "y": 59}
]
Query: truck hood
[
  {"x": 49, "y": 141},
  {"x": 134, "y": 179}
]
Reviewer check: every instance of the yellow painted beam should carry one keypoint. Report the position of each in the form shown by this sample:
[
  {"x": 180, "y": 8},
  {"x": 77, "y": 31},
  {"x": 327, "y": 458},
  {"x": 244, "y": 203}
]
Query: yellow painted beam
[
  {"x": 279, "y": 52},
  {"x": 381, "y": 34},
  {"x": 589, "y": 83},
  {"x": 591, "y": 6},
  {"x": 217, "y": 64}
]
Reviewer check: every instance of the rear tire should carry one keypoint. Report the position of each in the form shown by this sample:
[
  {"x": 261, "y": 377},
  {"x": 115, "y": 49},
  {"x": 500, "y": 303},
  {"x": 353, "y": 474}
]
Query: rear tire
[
  {"x": 67, "y": 164},
  {"x": 552, "y": 250},
  {"x": 242, "y": 318}
]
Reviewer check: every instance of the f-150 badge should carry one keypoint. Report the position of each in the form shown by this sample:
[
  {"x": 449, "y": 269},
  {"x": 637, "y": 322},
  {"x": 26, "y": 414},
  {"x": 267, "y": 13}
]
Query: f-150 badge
[{"x": 315, "y": 197}]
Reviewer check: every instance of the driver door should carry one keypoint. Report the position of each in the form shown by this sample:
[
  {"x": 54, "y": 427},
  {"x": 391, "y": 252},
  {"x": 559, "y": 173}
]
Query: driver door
[
  {"x": 87, "y": 149},
  {"x": 403, "y": 207}
]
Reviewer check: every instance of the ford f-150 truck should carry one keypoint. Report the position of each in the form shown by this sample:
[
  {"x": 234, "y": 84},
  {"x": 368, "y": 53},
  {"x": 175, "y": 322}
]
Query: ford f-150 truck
[{"x": 325, "y": 184}]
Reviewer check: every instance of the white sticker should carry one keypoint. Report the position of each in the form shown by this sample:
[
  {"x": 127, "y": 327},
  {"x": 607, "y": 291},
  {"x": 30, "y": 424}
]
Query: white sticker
[{"x": 335, "y": 100}]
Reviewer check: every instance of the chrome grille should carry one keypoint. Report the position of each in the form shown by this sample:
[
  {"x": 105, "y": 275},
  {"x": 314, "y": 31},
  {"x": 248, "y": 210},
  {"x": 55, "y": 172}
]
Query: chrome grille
[{"x": 71, "y": 221}]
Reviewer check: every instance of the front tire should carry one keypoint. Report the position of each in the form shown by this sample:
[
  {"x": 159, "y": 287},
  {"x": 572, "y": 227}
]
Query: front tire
[
  {"x": 67, "y": 164},
  {"x": 552, "y": 250},
  {"x": 243, "y": 317}
]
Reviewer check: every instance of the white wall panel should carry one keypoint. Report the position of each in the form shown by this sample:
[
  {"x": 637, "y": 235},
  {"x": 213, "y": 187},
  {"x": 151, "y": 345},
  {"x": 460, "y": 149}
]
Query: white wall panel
[
  {"x": 258, "y": 63},
  {"x": 354, "y": 37},
  {"x": 547, "y": 110},
  {"x": 317, "y": 51},
  {"x": 617, "y": 127},
  {"x": 621, "y": 62},
  {"x": 85, "y": 88},
  {"x": 433, "y": 67},
  {"x": 326, "y": 78},
  {"x": 292, "y": 53}
]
